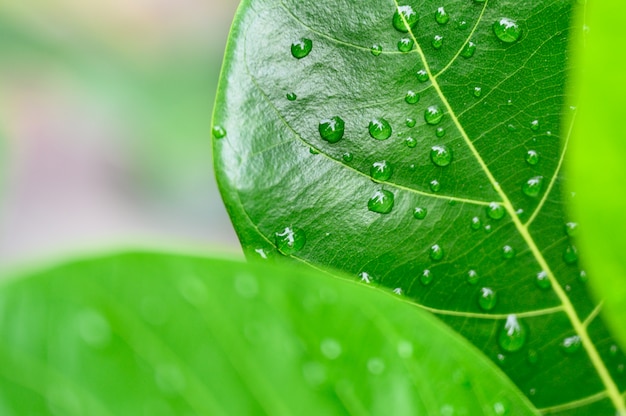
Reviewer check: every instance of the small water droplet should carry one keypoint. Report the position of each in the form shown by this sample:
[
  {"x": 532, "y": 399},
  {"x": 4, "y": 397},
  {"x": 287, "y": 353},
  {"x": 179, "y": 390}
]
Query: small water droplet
[
  {"x": 620, "y": 368},
  {"x": 218, "y": 132},
  {"x": 532, "y": 157},
  {"x": 582, "y": 276},
  {"x": 376, "y": 49},
  {"x": 532, "y": 391},
  {"x": 398, "y": 291},
  {"x": 381, "y": 202},
  {"x": 507, "y": 30},
  {"x": 426, "y": 277},
  {"x": 289, "y": 240},
  {"x": 495, "y": 211},
  {"x": 405, "y": 45},
  {"x": 437, "y": 41},
  {"x": 246, "y": 286},
  {"x": 292, "y": 96},
  {"x": 301, "y": 48},
  {"x": 405, "y": 349},
  {"x": 422, "y": 75},
  {"x": 532, "y": 356},
  {"x": 433, "y": 114},
  {"x": 468, "y": 50},
  {"x": 571, "y": 344},
  {"x": 347, "y": 157},
  {"x": 404, "y": 18},
  {"x": 420, "y": 213},
  {"x": 435, "y": 186},
  {"x": 440, "y": 155},
  {"x": 534, "y": 125},
  {"x": 93, "y": 328},
  {"x": 446, "y": 410},
  {"x": 410, "y": 142},
  {"x": 500, "y": 408},
  {"x": 314, "y": 373},
  {"x": 513, "y": 335},
  {"x": 462, "y": 25},
  {"x": 381, "y": 170},
  {"x": 472, "y": 277},
  {"x": 440, "y": 132},
  {"x": 476, "y": 223},
  {"x": 533, "y": 186},
  {"x": 487, "y": 299},
  {"x": 412, "y": 97},
  {"x": 436, "y": 252},
  {"x": 570, "y": 255},
  {"x": 365, "y": 277},
  {"x": 508, "y": 252},
  {"x": 332, "y": 129},
  {"x": 488, "y": 228},
  {"x": 542, "y": 280},
  {"x": 313, "y": 151},
  {"x": 511, "y": 127},
  {"x": 410, "y": 122},
  {"x": 261, "y": 253},
  {"x": 375, "y": 366},
  {"x": 571, "y": 228},
  {"x": 441, "y": 16},
  {"x": 380, "y": 129},
  {"x": 613, "y": 350},
  {"x": 331, "y": 348}
]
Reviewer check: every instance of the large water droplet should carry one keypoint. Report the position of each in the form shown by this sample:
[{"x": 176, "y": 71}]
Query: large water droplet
[
  {"x": 508, "y": 252},
  {"x": 476, "y": 223},
  {"x": 419, "y": 213},
  {"x": 405, "y": 18},
  {"x": 533, "y": 186},
  {"x": 437, "y": 41},
  {"x": 570, "y": 255},
  {"x": 495, "y": 211},
  {"x": 290, "y": 240},
  {"x": 301, "y": 48},
  {"x": 472, "y": 277},
  {"x": 426, "y": 277},
  {"x": 436, "y": 252},
  {"x": 571, "y": 228},
  {"x": 513, "y": 335},
  {"x": 434, "y": 185},
  {"x": 412, "y": 97},
  {"x": 571, "y": 344},
  {"x": 542, "y": 280},
  {"x": 441, "y": 16},
  {"x": 532, "y": 157},
  {"x": 376, "y": 49},
  {"x": 332, "y": 129},
  {"x": 422, "y": 75},
  {"x": 468, "y": 50},
  {"x": 405, "y": 45},
  {"x": 380, "y": 129},
  {"x": 507, "y": 30},
  {"x": 331, "y": 348},
  {"x": 381, "y": 202},
  {"x": 218, "y": 132},
  {"x": 381, "y": 170},
  {"x": 433, "y": 114},
  {"x": 487, "y": 299},
  {"x": 440, "y": 155}
]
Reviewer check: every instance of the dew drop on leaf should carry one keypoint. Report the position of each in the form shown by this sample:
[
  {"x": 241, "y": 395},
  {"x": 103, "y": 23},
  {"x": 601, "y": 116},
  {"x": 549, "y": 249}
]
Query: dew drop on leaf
[
  {"x": 398, "y": 291},
  {"x": 476, "y": 223},
  {"x": 422, "y": 75},
  {"x": 347, "y": 157},
  {"x": 440, "y": 155},
  {"x": 289, "y": 240},
  {"x": 508, "y": 252},
  {"x": 582, "y": 276},
  {"x": 472, "y": 277},
  {"x": 426, "y": 277},
  {"x": 218, "y": 132},
  {"x": 375, "y": 366},
  {"x": 412, "y": 97},
  {"x": 512, "y": 336},
  {"x": 405, "y": 349},
  {"x": 571, "y": 344},
  {"x": 404, "y": 18},
  {"x": 477, "y": 92},
  {"x": 301, "y": 48},
  {"x": 365, "y": 277},
  {"x": 410, "y": 122},
  {"x": 436, "y": 252},
  {"x": 440, "y": 132},
  {"x": 468, "y": 50},
  {"x": 487, "y": 299},
  {"x": 441, "y": 16},
  {"x": 381, "y": 202},
  {"x": 419, "y": 213},
  {"x": 376, "y": 49},
  {"x": 437, "y": 41},
  {"x": 533, "y": 186},
  {"x": 410, "y": 142},
  {"x": 571, "y": 228},
  {"x": 405, "y": 45},
  {"x": 330, "y": 348},
  {"x": 570, "y": 255},
  {"x": 380, "y": 129},
  {"x": 495, "y": 211},
  {"x": 381, "y": 170},
  {"x": 93, "y": 328},
  {"x": 542, "y": 280},
  {"x": 292, "y": 96},
  {"x": 332, "y": 129},
  {"x": 534, "y": 125},
  {"x": 313, "y": 151},
  {"x": 435, "y": 186},
  {"x": 433, "y": 114},
  {"x": 507, "y": 30},
  {"x": 532, "y": 157}
]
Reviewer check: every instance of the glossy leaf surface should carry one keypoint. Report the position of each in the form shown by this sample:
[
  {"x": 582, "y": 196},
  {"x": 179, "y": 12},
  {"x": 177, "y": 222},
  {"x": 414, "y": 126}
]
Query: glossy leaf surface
[
  {"x": 150, "y": 334},
  {"x": 484, "y": 94}
]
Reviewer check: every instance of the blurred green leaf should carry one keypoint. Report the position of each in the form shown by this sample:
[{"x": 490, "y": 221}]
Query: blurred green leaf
[
  {"x": 414, "y": 210},
  {"x": 153, "y": 334}
]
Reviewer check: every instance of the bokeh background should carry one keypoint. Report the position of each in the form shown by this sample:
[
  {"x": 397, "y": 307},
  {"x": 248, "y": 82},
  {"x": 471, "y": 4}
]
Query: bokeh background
[{"x": 105, "y": 110}]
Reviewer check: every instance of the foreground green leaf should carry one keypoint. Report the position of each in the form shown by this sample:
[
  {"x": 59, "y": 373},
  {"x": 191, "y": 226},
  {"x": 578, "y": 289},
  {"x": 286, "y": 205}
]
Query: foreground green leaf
[
  {"x": 149, "y": 334},
  {"x": 336, "y": 148}
]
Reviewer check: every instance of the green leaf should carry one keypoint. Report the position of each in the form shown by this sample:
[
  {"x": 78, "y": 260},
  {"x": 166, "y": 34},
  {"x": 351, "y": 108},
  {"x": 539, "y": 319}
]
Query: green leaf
[
  {"x": 153, "y": 334},
  {"x": 351, "y": 202},
  {"x": 596, "y": 163}
]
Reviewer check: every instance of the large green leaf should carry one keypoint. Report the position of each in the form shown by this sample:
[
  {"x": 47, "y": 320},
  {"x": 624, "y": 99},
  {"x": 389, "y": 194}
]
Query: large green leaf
[
  {"x": 598, "y": 154},
  {"x": 280, "y": 178},
  {"x": 149, "y": 334}
]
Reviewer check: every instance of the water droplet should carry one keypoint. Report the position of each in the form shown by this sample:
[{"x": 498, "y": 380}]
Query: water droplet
[
  {"x": 246, "y": 286},
  {"x": 570, "y": 255},
  {"x": 381, "y": 170},
  {"x": 405, "y": 18},
  {"x": 410, "y": 142},
  {"x": 513, "y": 335},
  {"x": 571, "y": 228},
  {"x": 398, "y": 291},
  {"x": 435, "y": 186},
  {"x": 301, "y": 48},
  {"x": 582, "y": 277},
  {"x": 381, "y": 202},
  {"x": 468, "y": 50},
  {"x": 261, "y": 253},
  {"x": 472, "y": 277},
  {"x": 412, "y": 97},
  {"x": 426, "y": 277},
  {"x": 290, "y": 240},
  {"x": 500, "y": 408},
  {"x": 508, "y": 252},
  {"x": 462, "y": 25},
  {"x": 380, "y": 129},
  {"x": 534, "y": 125},
  {"x": 365, "y": 277},
  {"x": 533, "y": 186},
  {"x": 93, "y": 328},
  {"x": 433, "y": 114},
  {"x": 419, "y": 213},
  {"x": 446, "y": 410},
  {"x": 487, "y": 299},
  {"x": 542, "y": 280},
  {"x": 441, "y": 16},
  {"x": 507, "y": 30},
  {"x": 437, "y": 41},
  {"x": 314, "y": 373},
  {"x": 331, "y": 348},
  {"x": 532, "y": 391},
  {"x": 410, "y": 122},
  {"x": 405, "y": 349},
  {"x": 571, "y": 344},
  {"x": 613, "y": 350},
  {"x": 422, "y": 75},
  {"x": 332, "y": 129},
  {"x": 511, "y": 127},
  {"x": 440, "y": 132},
  {"x": 376, "y": 49},
  {"x": 532, "y": 157},
  {"x": 375, "y": 366},
  {"x": 219, "y": 132},
  {"x": 405, "y": 45},
  {"x": 292, "y": 96},
  {"x": 347, "y": 157},
  {"x": 476, "y": 223},
  {"x": 488, "y": 228},
  {"x": 495, "y": 211},
  {"x": 440, "y": 155},
  {"x": 436, "y": 252},
  {"x": 477, "y": 92},
  {"x": 313, "y": 151}
]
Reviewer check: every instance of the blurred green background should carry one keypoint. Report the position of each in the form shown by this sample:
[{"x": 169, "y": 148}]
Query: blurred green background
[{"x": 105, "y": 110}]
